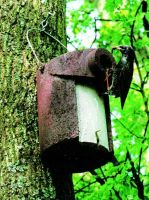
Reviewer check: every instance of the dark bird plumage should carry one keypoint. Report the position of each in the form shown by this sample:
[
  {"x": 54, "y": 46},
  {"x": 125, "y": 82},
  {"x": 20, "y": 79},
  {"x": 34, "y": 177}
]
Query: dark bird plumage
[{"x": 122, "y": 74}]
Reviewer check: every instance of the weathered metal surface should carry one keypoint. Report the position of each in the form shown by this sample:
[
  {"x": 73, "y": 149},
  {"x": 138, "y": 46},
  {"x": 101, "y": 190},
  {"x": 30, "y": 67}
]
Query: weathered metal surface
[
  {"x": 88, "y": 63},
  {"x": 57, "y": 105},
  {"x": 56, "y": 109}
]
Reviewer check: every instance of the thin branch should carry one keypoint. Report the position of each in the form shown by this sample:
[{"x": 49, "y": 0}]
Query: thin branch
[
  {"x": 68, "y": 40},
  {"x": 145, "y": 80},
  {"x": 95, "y": 31},
  {"x": 98, "y": 179},
  {"x": 117, "y": 193},
  {"x": 133, "y": 25},
  {"x": 136, "y": 177},
  {"x": 108, "y": 20},
  {"x": 141, "y": 150},
  {"x": 137, "y": 63},
  {"x": 132, "y": 133},
  {"x": 80, "y": 179},
  {"x": 113, "y": 176},
  {"x": 135, "y": 89},
  {"x": 105, "y": 178},
  {"x": 145, "y": 131},
  {"x": 81, "y": 189},
  {"x": 133, "y": 37},
  {"x": 142, "y": 83}
]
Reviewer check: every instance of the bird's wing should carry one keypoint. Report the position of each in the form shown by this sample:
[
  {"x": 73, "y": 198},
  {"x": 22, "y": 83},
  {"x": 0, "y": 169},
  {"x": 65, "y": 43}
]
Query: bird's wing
[{"x": 125, "y": 81}]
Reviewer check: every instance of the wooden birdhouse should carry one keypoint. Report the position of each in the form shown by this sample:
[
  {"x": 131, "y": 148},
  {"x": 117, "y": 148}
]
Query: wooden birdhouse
[{"x": 73, "y": 110}]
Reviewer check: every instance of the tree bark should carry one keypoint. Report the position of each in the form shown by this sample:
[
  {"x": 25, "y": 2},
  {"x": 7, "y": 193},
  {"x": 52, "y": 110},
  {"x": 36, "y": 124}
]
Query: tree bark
[{"x": 22, "y": 174}]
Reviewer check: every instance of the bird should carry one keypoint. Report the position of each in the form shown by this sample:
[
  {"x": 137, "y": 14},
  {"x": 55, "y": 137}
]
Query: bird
[{"x": 122, "y": 73}]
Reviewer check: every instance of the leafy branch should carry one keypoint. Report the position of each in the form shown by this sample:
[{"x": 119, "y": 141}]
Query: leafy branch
[
  {"x": 136, "y": 174},
  {"x": 135, "y": 160},
  {"x": 136, "y": 177}
]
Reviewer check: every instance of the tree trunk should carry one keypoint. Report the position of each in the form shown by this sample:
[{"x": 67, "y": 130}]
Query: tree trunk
[{"x": 22, "y": 174}]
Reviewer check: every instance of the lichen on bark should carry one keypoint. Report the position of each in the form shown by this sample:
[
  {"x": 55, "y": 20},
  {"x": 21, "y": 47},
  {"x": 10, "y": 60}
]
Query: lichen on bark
[{"x": 22, "y": 174}]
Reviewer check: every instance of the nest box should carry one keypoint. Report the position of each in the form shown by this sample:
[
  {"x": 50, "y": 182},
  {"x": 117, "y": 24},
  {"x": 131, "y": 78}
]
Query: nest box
[{"x": 73, "y": 110}]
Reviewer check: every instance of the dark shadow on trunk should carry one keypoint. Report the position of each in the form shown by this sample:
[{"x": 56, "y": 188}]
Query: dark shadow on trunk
[{"x": 63, "y": 185}]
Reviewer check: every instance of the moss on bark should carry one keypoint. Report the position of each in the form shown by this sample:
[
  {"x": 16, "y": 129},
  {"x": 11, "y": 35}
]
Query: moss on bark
[{"x": 22, "y": 175}]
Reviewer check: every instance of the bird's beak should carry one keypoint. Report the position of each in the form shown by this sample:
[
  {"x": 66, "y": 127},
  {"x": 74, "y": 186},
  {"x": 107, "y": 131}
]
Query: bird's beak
[{"x": 116, "y": 47}]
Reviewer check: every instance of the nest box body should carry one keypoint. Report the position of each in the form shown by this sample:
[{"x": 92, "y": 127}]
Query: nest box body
[{"x": 73, "y": 109}]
